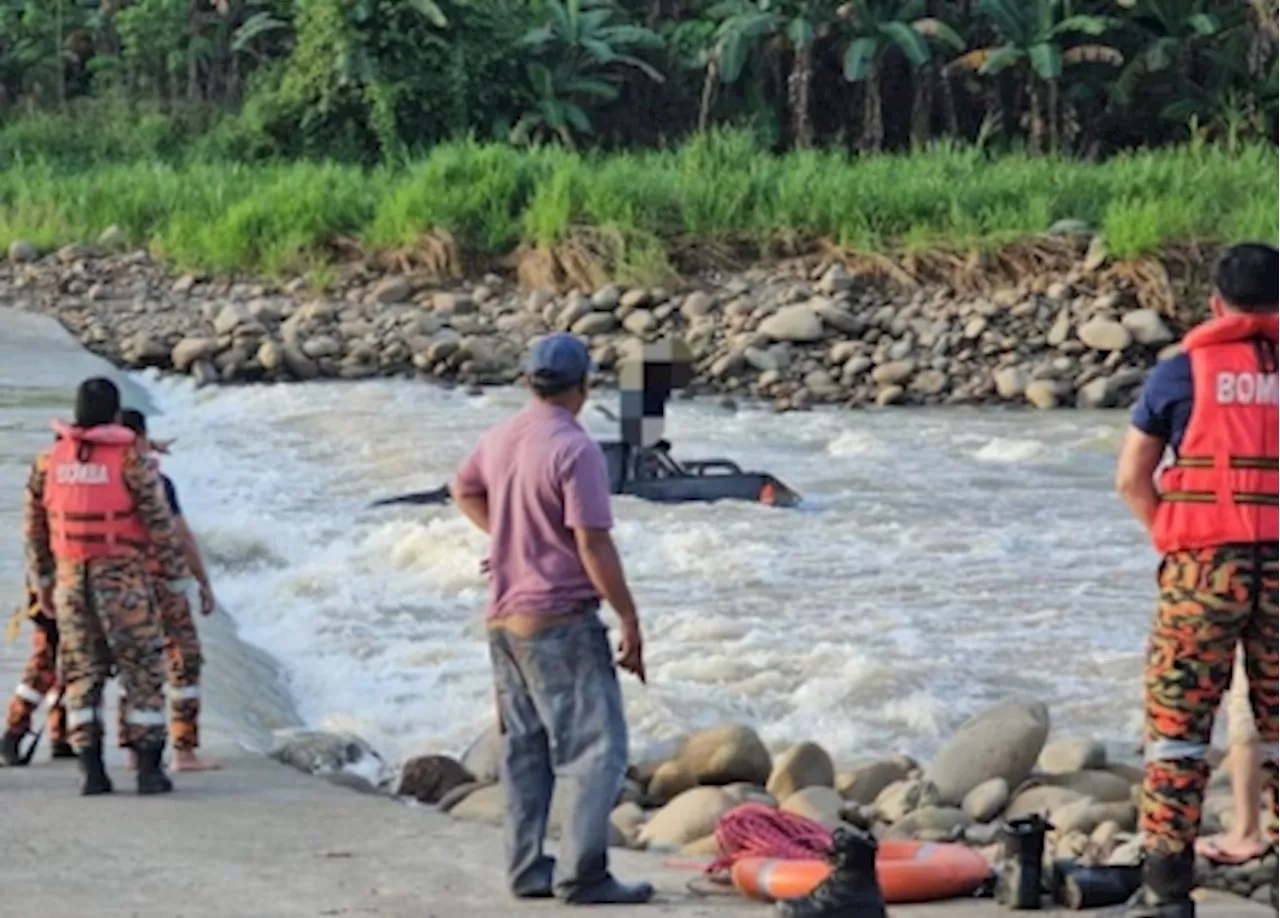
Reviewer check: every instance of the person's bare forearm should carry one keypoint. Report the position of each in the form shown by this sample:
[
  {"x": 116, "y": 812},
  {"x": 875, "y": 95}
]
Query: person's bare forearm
[
  {"x": 191, "y": 550},
  {"x": 1143, "y": 500},
  {"x": 474, "y": 507},
  {"x": 604, "y": 568}
]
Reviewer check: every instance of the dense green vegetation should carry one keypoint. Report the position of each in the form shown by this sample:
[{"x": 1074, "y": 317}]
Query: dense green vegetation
[
  {"x": 491, "y": 197},
  {"x": 379, "y": 80},
  {"x": 257, "y": 134}
]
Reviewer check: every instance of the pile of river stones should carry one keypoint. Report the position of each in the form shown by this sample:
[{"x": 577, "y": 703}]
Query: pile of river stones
[
  {"x": 796, "y": 335},
  {"x": 998, "y": 766}
]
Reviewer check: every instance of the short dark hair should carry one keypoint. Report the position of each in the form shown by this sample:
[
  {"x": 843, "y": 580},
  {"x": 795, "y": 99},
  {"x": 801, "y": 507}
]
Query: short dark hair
[
  {"x": 552, "y": 385},
  {"x": 1247, "y": 277},
  {"x": 135, "y": 420},
  {"x": 97, "y": 402}
]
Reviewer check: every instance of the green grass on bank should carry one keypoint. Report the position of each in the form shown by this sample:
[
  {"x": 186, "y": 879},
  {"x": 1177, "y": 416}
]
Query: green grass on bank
[{"x": 276, "y": 217}]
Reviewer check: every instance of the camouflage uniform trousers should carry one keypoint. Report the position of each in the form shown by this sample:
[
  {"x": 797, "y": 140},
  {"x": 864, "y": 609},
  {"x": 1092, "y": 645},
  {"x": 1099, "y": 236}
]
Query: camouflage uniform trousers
[
  {"x": 1211, "y": 600},
  {"x": 39, "y": 679},
  {"x": 105, "y": 617},
  {"x": 183, "y": 662}
]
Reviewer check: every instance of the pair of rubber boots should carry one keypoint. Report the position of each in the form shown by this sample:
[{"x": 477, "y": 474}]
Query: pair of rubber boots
[
  {"x": 151, "y": 776},
  {"x": 12, "y": 756},
  {"x": 1167, "y": 880},
  {"x": 851, "y": 890}
]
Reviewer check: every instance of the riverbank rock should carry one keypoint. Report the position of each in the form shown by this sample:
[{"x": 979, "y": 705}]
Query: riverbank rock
[
  {"x": 1071, "y": 754},
  {"x": 627, "y": 819},
  {"x": 863, "y": 783},
  {"x": 688, "y": 817},
  {"x": 725, "y": 755},
  {"x": 669, "y": 781},
  {"x": 486, "y": 804},
  {"x": 1104, "y": 335},
  {"x": 22, "y": 252},
  {"x": 1102, "y": 786},
  {"x": 484, "y": 756},
  {"x": 797, "y": 335},
  {"x": 821, "y": 804},
  {"x": 936, "y": 821},
  {"x": 1043, "y": 800},
  {"x": 321, "y": 753},
  {"x": 803, "y": 765},
  {"x": 903, "y": 797},
  {"x": 1002, "y": 742},
  {"x": 986, "y": 801},
  {"x": 427, "y": 778}
]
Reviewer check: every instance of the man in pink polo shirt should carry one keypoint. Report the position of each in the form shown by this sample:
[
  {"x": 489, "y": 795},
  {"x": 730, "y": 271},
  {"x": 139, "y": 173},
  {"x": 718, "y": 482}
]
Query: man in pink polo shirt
[{"x": 539, "y": 486}]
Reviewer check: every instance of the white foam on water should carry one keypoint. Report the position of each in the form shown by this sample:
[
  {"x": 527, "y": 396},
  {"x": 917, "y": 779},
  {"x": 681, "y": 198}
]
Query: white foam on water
[
  {"x": 1006, "y": 450},
  {"x": 952, "y": 559}
]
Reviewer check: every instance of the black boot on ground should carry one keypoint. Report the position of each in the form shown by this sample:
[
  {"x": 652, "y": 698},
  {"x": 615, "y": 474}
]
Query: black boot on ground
[
  {"x": 1095, "y": 887},
  {"x": 1167, "y": 881},
  {"x": 10, "y": 751},
  {"x": 95, "y": 775},
  {"x": 62, "y": 751},
  {"x": 1020, "y": 882},
  {"x": 151, "y": 776},
  {"x": 851, "y": 890}
]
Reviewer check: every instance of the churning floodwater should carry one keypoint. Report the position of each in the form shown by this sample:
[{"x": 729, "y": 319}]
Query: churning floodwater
[{"x": 944, "y": 560}]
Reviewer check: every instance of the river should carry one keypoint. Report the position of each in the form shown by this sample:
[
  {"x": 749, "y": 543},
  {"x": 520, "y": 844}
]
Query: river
[{"x": 944, "y": 560}]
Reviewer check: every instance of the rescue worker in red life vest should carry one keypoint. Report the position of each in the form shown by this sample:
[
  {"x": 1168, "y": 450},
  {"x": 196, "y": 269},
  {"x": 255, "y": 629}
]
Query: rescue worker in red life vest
[
  {"x": 181, "y": 640},
  {"x": 93, "y": 511},
  {"x": 1212, "y": 517},
  {"x": 39, "y": 680}
]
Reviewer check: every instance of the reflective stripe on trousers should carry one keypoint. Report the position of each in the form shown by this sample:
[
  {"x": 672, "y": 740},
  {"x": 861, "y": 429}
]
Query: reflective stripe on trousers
[
  {"x": 79, "y": 717},
  {"x": 28, "y": 694},
  {"x": 139, "y": 717}
]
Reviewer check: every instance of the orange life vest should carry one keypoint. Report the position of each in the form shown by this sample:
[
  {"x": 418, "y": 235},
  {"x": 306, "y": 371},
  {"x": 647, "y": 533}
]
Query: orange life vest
[
  {"x": 1222, "y": 487},
  {"x": 91, "y": 513}
]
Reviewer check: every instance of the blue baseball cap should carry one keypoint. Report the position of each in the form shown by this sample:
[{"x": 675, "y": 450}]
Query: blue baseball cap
[{"x": 559, "y": 359}]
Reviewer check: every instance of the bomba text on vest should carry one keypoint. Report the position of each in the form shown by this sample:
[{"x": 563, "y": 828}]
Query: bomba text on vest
[
  {"x": 1247, "y": 389},
  {"x": 82, "y": 473}
]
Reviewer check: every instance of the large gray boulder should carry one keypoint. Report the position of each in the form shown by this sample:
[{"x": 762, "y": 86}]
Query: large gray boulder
[{"x": 1002, "y": 742}]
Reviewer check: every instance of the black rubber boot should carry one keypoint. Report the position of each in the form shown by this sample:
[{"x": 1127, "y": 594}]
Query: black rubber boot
[
  {"x": 62, "y": 750},
  {"x": 1167, "y": 881},
  {"x": 10, "y": 753},
  {"x": 151, "y": 776},
  {"x": 1022, "y": 863},
  {"x": 95, "y": 774},
  {"x": 1096, "y": 887},
  {"x": 851, "y": 890}
]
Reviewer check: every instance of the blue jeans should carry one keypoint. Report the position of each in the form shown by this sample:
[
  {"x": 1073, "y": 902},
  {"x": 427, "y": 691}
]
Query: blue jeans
[{"x": 563, "y": 723}]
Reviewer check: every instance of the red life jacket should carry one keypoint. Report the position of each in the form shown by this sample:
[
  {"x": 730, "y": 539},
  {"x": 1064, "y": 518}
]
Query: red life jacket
[
  {"x": 90, "y": 510},
  {"x": 1222, "y": 488}
]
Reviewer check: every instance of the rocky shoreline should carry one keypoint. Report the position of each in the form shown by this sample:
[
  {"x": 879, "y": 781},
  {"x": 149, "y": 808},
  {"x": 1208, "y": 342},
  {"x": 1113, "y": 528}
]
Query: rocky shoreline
[
  {"x": 798, "y": 334},
  {"x": 999, "y": 766}
]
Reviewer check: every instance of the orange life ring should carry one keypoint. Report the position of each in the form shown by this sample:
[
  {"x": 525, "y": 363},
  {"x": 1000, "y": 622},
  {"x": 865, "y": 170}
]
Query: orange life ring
[{"x": 908, "y": 871}]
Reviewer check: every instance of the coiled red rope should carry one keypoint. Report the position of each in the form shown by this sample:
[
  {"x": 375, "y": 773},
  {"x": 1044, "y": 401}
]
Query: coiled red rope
[{"x": 756, "y": 830}]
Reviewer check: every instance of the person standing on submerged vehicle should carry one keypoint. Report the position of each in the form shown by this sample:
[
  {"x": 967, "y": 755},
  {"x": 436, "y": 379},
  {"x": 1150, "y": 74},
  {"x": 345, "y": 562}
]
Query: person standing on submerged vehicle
[
  {"x": 538, "y": 486},
  {"x": 1213, "y": 518}
]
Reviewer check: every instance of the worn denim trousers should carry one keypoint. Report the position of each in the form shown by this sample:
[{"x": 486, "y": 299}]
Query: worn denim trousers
[{"x": 564, "y": 727}]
